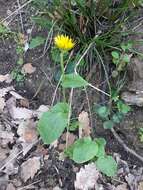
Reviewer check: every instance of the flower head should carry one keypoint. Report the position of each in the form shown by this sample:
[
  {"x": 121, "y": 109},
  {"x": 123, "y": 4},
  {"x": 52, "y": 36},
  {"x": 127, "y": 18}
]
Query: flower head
[{"x": 64, "y": 42}]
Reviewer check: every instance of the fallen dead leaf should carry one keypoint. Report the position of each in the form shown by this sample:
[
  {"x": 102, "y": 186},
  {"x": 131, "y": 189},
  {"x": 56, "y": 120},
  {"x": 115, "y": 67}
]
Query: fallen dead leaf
[
  {"x": 140, "y": 187},
  {"x": 3, "y": 154},
  {"x": 28, "y": 135},
  {"x": 10, "y": 165},
  {"x": 2, "y": 78},
  {"x": 27, "y": 131},
  {"x": 21, "y": 113},
  {"x": 24, "y": 103},
  {"x": 6, "y": 137},
  {"x": 61, "y": 147},
  {"x": 27, "y": 147},
  {"x": 70, "y": 141},
  {"x": 4, "y": 91},
  {"x": 41, "y": 150},
  {"x": 11, "y": 168},
  {"x": 4, "y": 180},
  {"x": 6, "y": 78},
  {"x": 87, "y": 177},
  {"x": 28, "y": 68},
  {"x": 84, "y": 127},
  {"x": 43, "y": 108},
  {"x": 10, "y": 187},
  {"x": 122, "y": 187},
  {"x": 17, "y": 112},
  {"x": 2, "y": 104},
  {"x": 57, "y": 188},
  {"x": 132, "y": 180},
  {"x": 30, "y": 168}
]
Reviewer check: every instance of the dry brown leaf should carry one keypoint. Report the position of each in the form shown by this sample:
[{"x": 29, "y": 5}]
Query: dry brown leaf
[
  {"x": 24, "y": 103},
  {"x": 57, "y": 188},
  {"x": 17, "y": 112},
  {"x": 122, "y": 187},
  {"x": 6, "y": 137},
  {"x": 11, "y": 168},
  {"x": 6, "y": 78},
  {"x": 140, "y": 187},
  {"x": 43, "y": 108},
  {"x": 30, "y": 168},
  {"x": 4, "y": 91},
  {"x": 61, "y": 147},
  {"x": 28, "y": 68},
  {"x": 84, "y": 124},
  {"x": 10, "y": 187},
  {"x": 3, "y": 154},
  {"x": 2, "y": 104},
  {"x": 131, "y": 180},
  {"x": 27, "y": 131},
  {"x": 27, "y": 147},
  {"x": 28, "y": 135},
  {"x": 20, "y": 113},
  {"x": 4, "y": 180},
  {"x": 41, "y": 150},
  {"x": 70, "y": 140},
  {"x": 87, "y": 177}
]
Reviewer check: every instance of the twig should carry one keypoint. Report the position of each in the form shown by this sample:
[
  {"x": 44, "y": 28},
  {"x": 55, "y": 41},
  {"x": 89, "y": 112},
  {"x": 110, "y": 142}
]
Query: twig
[
  {"x": 21, "y": 20},
  {"x": 38, "y": 90},
  {"x": 117, "y": 137},
  {"x": 17, "y": 10},
  {"x": 48, "y": 78},
  {"x": 60, "y": 180},
  {"x": 29, "y": 186},
  {"x": 94, "y": 87}
]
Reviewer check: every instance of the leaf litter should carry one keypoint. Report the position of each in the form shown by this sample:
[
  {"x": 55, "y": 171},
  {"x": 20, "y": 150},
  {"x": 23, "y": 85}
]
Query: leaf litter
[
  {"x": 30, "y": 168},
  {"x": 6, "y": 78},
  {"x": 87, "y": 177},
  {"x": 25, "y": 135},
  {"x": 84, "y": 124},
  {"x": 28, "y": 68}
]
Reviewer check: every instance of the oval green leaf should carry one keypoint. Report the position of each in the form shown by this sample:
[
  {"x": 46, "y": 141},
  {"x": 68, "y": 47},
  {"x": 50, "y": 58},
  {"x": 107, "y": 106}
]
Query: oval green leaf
[
  {"x": 52, "y": 123},
  {"x": 103, "y": 111},
  {"x": 101, "y": 147},
  {"x": 107, "y": 165},
  {"x": 84, "y": 150},
  {"x": 115, "y": 54},
  {"x": 73, "y": 81},
  {"x": 108, "y": 124}
]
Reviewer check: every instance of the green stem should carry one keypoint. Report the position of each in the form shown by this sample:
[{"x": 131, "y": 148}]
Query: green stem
[{"x": 63, "y": 73}]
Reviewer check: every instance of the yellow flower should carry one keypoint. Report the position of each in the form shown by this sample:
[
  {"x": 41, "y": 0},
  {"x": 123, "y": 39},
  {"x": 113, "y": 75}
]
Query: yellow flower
[{"x": 64, "y": 42}]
